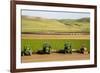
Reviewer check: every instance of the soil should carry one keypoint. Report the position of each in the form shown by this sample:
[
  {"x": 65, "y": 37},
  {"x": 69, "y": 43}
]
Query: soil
[{"x": 55, "y": 57}]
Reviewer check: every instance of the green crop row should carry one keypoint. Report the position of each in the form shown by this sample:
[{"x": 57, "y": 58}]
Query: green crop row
[{"x": 56, "y": 44}]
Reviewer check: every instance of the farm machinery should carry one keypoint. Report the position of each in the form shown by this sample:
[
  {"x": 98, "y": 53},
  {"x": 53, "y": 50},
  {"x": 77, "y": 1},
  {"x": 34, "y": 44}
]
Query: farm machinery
[
  {"x": 46, "y": 49},
  {"x": 26, "y": 51},
  {"x": 67, "y": 48},
  {"x": 83, "y": 49}
]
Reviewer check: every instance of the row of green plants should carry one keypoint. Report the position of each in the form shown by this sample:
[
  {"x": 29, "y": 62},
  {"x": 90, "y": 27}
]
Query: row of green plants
[{"x": 47, "y": 49}]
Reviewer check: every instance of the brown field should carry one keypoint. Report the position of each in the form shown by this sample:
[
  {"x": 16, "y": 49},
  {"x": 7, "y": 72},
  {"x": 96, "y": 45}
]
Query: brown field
[
  {"x": 54, "y": 57},
  {"x": 63, "y": 36}
]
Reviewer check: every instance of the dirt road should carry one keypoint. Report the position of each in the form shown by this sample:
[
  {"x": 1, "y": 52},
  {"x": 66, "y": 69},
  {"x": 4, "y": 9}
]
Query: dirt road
[{"x": 54, "y": 57}]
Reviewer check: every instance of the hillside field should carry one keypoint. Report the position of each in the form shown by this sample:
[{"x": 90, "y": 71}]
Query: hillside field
[{"x": 43, "y": 25}]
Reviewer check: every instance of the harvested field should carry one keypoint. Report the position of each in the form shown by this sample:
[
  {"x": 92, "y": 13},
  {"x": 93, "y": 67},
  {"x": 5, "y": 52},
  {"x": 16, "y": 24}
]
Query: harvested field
[
  {"x": 40, "y": 36},
  {"x": 55, "y": 57}
]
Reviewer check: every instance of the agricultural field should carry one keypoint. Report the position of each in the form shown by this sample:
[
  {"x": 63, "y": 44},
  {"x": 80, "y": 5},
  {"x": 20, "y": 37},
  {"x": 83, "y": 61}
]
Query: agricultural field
[
  {"x": 43, "y": 25},
  {"x": 56, "y": 44},
  {"x": 36, "y": 31}
]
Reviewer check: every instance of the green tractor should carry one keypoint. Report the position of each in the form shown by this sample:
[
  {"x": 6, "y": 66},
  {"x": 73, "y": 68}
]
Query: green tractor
[
  {"x": 67, "y": 48},
  {"x": 46, "y": 48},
  {"x": 26, "y": 51}
]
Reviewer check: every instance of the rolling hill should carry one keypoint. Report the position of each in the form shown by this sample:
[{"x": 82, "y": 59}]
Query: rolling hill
[{"x": 44, "y": 25}]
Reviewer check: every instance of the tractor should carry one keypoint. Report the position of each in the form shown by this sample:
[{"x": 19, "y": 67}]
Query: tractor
[
  {"x": 26, "y": 51},
  {"x": 46, "y": 48},
  {"x": 67, "y": 48},
  {"x": 83, "y": 49}
]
